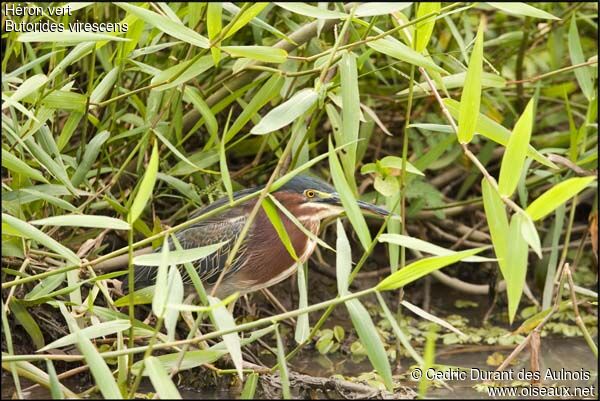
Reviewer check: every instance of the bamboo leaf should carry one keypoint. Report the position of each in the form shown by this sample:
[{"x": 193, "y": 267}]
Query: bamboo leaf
[
  {"x": 421, "y": 268},
  {"x": 398, "y": 50},
  {"x": 29, "y": 86},
  {"x": 495, "y": 213},
  {"x": 425, "y": 28},
  {"x": 496, "y": 132},
  {"x": 471, "y": 94},
  {"x": 265, "y": 54},
  {"x": 249, "y": 387},
  {"x": 271, "y": 211},
  {"x": 367, "y": 333},
  {"x": 159, "y": 301},
  {"x": 177, "y": 257},
  {"x": 283, "y": 369},
  {"x": 224, "y": 321},
  {"x": 209, "y": 117},
  {"x": 350, "y": 112},
  {"x": 95, "y": 331},
  {"x": 83, "y": 220},
  {"x": 28, "y": 231},
  {"x": 348, "y": 201},
  {"x": 145, "y": 189},
  {"x": 164, "y": 386},
  {"x": 25, "y": 319},
  {"x": 311, "y": 11},
  {"x": 370, "y": 9},
  {"x": 302, "y": 331},
  {"x": 13, "y": 163},
  {"x": 168, "y": 26},
  {"x": 428, "y": 316},
  {"x": 245, "y": 18},
  {"x": 67, "y": 37},
  {"x": 174, "y": 296},
  {"x": 516, "y": 266},
  {"x": 286, "y": 112},
  {"x": 516, "y": 151},
  {"x": 214, "y": 26},
  {"x": 92, "y": 150},
  {"x": 530, "y": 234},
  {"x": 583, "y": 75},
  {"x": 100, "y": 371},
  {"x": 424, "y": 246},
  {"x": 522, "y": 9},
  {"x": 556, "y": 196},
  {"x": 343, "y": 261}
]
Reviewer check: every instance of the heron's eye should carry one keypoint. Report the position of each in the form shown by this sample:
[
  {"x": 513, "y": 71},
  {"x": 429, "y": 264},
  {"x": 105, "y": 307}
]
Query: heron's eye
[{"x": 309, "y": 193}]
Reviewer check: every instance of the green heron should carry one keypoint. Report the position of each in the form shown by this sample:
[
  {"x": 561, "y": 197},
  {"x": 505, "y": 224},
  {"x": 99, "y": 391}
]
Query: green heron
[{"x": 262, "y": 260}]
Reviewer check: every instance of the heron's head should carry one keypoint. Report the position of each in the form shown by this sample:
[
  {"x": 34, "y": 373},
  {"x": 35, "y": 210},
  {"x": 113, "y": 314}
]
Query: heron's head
[{"x": 311, "y": 197}]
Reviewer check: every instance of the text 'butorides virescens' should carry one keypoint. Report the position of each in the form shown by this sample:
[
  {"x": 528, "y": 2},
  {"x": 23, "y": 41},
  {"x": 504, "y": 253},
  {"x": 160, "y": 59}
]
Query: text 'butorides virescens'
[{"x": 262, "y": 259}]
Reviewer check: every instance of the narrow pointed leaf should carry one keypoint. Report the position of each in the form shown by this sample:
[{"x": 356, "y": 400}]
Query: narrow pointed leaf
[
  {"x": 145, "y": 189},
  {"x": 83, "y": 220},
  {"x": 177, "y": 257},
  {"x": 164, "y": 386},
  {"x": 102, "y": 376},
  {"x": 367, "y": 333},
  {"x": 348, "y": 200},
  {"x": 516, "y": 266},
  {"x": 287, "y": 112},
  {"x": 343, "y": 261},
  {"x": 421, "y": 268},
  {"x": 224, "y": 321},
  {"x": 530, "y": 234},
  {"x": 495, "y": 213},
  {"x": 29, "y": 231},
  {"x": 275, "y": 219},
  {"x": 556, "y": 196},
  {"x": 425, "y": 28},
  {"x": 471, "y": 95},
  {"x": 95, "y": 331},
  {"x": 583, "y": 75},
  {"x": 214, "y": 26},
  {"x": 350, "y": 112},
  {"x": 174, "y": 296},
  {"x": 283, "y": 369},
  {"x": 398, "y": 50},
  {"x": 311, "y": 11},
  {"x": 302, "y": 323},
  {"x": 159, "y": 301},
  {"x": 265, "y": 54},
  {"x": 516, "y": 151},
  {"x": 168, "y": 26},
  {"x": 522, "y": 9}
]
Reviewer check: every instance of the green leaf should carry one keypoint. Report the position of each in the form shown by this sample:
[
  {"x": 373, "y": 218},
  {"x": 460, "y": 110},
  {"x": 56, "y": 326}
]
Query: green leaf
[
  {"x": 92, "y": 150},
  {"x": 556, "y": 196},
  {"x": 522, "y": 9},
  {"x": 424, "y": 246},
  {"x": 100, "y": 371},
  {"x": 529, "y": 233},
  {"x": 181, "y": 73},
  {"x": 28, "y": 231},
  {"x": 428, "y": 316},
  {"x": 105, "y": 86},
  {"x": 224, "y": 321},
  {"x": 425, "y": 28},
  {"x": 146, "y": 186},
  {"x": 398, "y": 50},
  {"x": 516, "y": 151},
  {"x": 370, "y": 9},
  {"x": 168, "y": 26},
  {"x": 471, "y": 95},
  {"x": 17, "y": 165},
  {"x": 67, "y": 37},
  {"x": 266, "y": 93},
  {"x": 174, "y": 296},
  {"x": 311, "y": 11},
  {"x": 209, "y": 117},
  {"x": 273, "y": 215},
  {"x": 350, "y": 112},
  {"x": 302, "y": 331},
  {"x": 245, "y": 18},
  {"x": 214, "y": 23},
  {"x": 25, "y": 319},
  {"x": 83, "y": 220},
  {"x": 94, "y": 331},
  {"x": 161, "y": 295},
  {"x": 63, "y": 204},
  {"x": 348, "y": 200},
  {"x": 496, "y": 132},
  {"x": 583, "y": 74},
  {"x": 266, "y": 54},
  {"x": 177, "y": 257},
  {"x": 367, "y": 333},
  {"x": 495, "y": 213},
  {"x": 191, "y": 359},
  {"x": 71, "y": 57},
  {"x": 249, "y": 387},
  {"x": 488, "y": 80},
  {"x": 283, "y": 369},
  {"x": 164, "y": 386},
  {"x": 343, "y": 260},
  {"x": 421, "y": 268},
  {"x": 516, "y": 266},
  {"x": 29, "y": 86},
  {"x": 286, "y": 112}
]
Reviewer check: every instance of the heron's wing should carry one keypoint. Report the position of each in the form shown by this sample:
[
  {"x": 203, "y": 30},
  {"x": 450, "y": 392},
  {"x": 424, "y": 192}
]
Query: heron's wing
[{"x": 212, "y": 231}]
